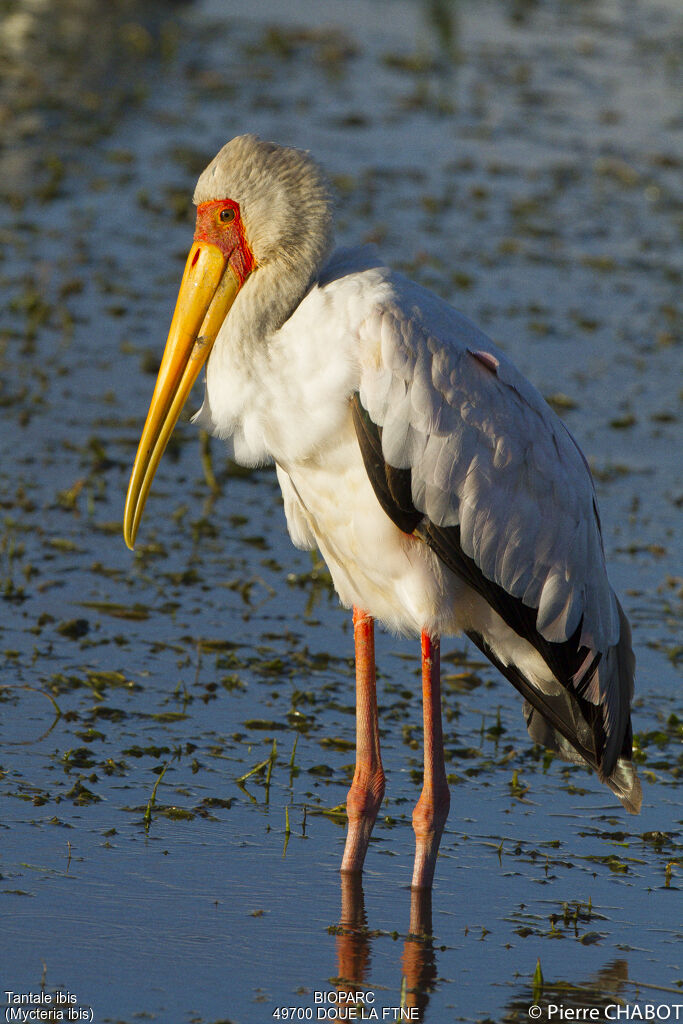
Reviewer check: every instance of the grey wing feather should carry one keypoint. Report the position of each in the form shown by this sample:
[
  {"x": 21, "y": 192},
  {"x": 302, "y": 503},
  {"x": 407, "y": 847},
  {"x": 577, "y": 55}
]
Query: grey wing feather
[
  {"x": 488, "y": 455},
  {"x": 506, "y": 497}
]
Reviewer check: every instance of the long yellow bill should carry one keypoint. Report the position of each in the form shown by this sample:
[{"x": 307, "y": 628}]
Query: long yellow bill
[{"x": 207, "y": 291}]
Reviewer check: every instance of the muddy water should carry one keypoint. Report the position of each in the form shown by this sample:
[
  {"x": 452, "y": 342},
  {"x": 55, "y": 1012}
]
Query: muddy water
[{"x": 519, "y": 158}]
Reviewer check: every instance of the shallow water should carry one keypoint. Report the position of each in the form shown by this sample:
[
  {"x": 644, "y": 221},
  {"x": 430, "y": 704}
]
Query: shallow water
[{"x": 519, "y": 158}]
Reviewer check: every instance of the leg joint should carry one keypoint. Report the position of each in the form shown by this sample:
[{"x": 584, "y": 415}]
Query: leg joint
[
  {"x": 365, "y": 795},
  {"x": 431, "y": 812}
]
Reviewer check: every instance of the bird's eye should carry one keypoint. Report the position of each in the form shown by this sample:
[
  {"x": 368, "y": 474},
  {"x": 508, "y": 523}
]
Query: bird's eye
[{"x": 226, "y": 215}]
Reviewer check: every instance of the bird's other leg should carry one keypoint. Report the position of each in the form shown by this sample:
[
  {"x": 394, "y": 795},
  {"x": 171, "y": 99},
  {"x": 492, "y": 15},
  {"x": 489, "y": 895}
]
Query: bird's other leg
[
  {"x": 367, "y": 789},
  {"x": 431, "y": 811}
]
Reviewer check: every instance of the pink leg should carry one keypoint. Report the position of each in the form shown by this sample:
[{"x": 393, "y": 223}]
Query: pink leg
[
  {"x": 367, "y": 789},
  {"x": 431, "y": 811}
]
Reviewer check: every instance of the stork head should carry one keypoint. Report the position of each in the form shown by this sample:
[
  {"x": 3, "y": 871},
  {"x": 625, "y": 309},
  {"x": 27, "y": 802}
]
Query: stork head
[{"x": 259, "y": 206}]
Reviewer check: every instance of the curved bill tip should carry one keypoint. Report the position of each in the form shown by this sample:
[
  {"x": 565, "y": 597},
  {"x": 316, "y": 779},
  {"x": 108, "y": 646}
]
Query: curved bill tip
[{"x": 207, "y": 291}]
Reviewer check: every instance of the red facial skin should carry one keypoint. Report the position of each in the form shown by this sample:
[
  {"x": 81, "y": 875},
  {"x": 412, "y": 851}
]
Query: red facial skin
[{"x": 226, "y": 234}]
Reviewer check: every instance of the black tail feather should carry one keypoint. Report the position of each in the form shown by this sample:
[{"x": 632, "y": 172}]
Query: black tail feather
[{"x": 573, "y": 728}]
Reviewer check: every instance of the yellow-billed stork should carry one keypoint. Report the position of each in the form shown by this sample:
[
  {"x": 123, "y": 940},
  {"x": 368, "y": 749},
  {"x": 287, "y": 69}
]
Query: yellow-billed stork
[{"x": 443, "y": 492}]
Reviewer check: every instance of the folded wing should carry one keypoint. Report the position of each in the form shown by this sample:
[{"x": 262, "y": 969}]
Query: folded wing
[{"x": 464, "y": 453}]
